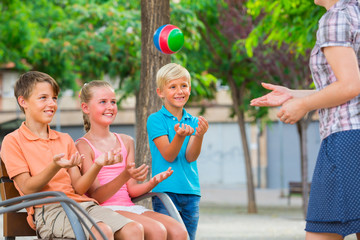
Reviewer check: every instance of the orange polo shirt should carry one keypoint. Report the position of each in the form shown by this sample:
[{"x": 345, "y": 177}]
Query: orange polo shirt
[{"x": 22, "y": 151}]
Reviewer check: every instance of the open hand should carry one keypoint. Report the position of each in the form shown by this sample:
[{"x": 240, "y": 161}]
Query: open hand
[
  {"x": 140, "y": 173},
  {"x": 276, "y": 97},
  {"x": 161, "y": 177},
  {"x": 109, "y": 158},
  {"x": 202, "y": 127},
  {"x": 184, "y": 130},
  {"x": 62, "y": 162}
]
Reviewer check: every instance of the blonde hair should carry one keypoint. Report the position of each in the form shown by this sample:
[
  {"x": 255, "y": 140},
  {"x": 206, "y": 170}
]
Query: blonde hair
[
  {"x": 170, "y": 72},
  {"x": 26, "y": 82},
  {"x": 86, "y": 94}
]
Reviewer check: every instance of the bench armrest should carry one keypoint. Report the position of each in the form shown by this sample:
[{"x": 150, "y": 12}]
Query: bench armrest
[
  {"x": 69, "y": 205},
  {"x": 165, "y": 199}
]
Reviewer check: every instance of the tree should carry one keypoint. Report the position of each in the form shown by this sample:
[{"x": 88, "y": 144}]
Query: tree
[
  {"x": 220, "y": 30},
  {"x": 289, "y": 26},
  {"x": 154, "y": 13},
  {"x": 93, "y": 40},
  {"x": 224, "y": 40},
  {"x": 22, "y": 22},
  {"x": 76, "y": 41}
]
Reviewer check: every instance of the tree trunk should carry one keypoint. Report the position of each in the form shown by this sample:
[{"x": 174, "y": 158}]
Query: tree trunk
[
  {"x": 249, "y": 174},
  {"x": 154, "y": 13},
  {"x": 236, "y": 94},
  {"x": 302, "y": 127}
]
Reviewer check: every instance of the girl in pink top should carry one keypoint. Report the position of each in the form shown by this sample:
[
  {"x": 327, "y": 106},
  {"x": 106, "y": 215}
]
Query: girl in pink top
[{"x": 116, "y": 184}]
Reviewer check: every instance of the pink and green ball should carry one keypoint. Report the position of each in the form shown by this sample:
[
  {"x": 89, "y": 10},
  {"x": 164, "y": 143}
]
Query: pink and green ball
[{"x": 168, "y": 39}]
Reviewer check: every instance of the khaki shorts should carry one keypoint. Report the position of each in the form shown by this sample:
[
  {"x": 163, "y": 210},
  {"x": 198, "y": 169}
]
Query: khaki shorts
[{"x": 51, "y": 220}]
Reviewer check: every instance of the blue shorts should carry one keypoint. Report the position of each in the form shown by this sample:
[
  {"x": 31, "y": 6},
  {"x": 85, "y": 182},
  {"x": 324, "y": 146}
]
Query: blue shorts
[
  {"x": 334, "y": 203},
  {"x": 188, "y": 207}
]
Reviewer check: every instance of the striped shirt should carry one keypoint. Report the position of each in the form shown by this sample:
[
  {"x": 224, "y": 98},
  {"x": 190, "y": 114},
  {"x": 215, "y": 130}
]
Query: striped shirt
[{"x": 339, "y": 26}]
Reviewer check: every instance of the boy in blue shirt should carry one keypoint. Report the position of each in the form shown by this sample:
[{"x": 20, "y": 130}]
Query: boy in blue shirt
[{"x": 175, "y": 139}]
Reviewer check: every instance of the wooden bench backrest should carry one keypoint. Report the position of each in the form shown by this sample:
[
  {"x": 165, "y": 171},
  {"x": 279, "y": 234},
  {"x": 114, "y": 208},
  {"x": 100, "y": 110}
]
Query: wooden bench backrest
[
  {"x": 296, "y": 187},
  {"x": 14, "y": 223}
]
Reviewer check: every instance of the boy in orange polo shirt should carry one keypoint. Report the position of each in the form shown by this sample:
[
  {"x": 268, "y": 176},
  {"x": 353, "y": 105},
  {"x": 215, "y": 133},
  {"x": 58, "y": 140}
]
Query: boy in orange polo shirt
[{"x": 40, "y": 159}]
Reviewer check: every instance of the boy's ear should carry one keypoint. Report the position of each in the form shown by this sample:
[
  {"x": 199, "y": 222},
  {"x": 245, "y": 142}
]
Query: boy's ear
[
  {"x": 159, "y": 92},
  {"x": 21, "y": 101},
  {"x": 85, "y": 108}
]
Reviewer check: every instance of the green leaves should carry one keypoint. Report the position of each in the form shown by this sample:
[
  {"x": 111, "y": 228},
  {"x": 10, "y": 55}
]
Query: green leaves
[{"x": 284, "y": 22}]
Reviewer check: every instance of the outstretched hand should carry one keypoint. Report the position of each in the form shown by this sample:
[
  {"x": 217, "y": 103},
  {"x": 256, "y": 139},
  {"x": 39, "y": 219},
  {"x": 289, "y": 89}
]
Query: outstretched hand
[
  {"x": 183, "y": 130},
  {"x": 62, "y": 162},
  {"x": 202, "y": 127},
  {"x": 109, "y": 158},
  {"x": 161, "y": 177},
  {"x": 140, "y": 173},
  {"x": 276, "y": 97}
]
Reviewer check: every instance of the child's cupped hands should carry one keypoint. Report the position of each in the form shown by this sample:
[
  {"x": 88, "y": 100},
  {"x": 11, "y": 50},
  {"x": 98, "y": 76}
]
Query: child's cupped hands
[
  {"x": 137, "y": 173},
  {"x": 62, "y": 162},
  {"x": 183, "y": 130},
  {"x": 109, "y": 158},
  {"x": 202, "y": 127},
  {"x": 161, "y": 176}
]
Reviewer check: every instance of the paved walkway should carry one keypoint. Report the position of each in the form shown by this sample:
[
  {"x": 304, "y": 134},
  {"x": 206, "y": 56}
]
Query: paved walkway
[{"x": 223, "y": 216}]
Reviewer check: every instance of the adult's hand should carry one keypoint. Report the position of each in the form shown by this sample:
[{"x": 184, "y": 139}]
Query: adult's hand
[{"x": 276, "y": 97}]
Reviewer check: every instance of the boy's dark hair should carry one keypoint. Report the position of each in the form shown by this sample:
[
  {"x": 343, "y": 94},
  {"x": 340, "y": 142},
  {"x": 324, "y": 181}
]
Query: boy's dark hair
[{"x": 26, "y": 82}]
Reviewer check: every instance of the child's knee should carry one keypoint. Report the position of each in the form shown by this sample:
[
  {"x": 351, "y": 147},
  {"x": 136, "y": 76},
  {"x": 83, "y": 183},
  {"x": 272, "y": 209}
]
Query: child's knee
[
  {"x": 156, "y": 230},
  {"x": 106, "y": 229},
  {"x": 178, "y": 231},
  {"x": 132, "y": 230},
  {"x": 181, "y": 233}
]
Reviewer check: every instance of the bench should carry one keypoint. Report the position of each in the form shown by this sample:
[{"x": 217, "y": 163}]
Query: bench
[
  {"x": 296, "y": 188},
  {"x": 8, "y": 191},
  {"x": 15, "y": 224}
]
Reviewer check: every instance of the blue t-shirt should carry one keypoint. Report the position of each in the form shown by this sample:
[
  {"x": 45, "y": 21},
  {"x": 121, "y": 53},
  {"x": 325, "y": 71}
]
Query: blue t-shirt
[{"x": 185, "y": 178}]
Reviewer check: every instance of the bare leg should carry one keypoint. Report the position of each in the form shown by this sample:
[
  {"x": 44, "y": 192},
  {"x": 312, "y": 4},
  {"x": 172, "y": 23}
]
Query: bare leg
[
  {"x": 154, "y": 230},
  {"x": 175, "y": 230},
  {"x": 131, "y": 231},
  {"x": 358, "y": 236},
  {"x": 323, "y": 236},
  {"x": 105, "y": 229}
]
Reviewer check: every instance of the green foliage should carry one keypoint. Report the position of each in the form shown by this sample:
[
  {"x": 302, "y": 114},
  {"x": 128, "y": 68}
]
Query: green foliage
[
  {"x": 76, "y": 41},
  {"x": 93, "y": 40},
  {"x": 203, "y": 82},
  {"x": 80, "y": 40},
  {"x": 248, "y": 42},
  {"x": 17, "y": 32},
  {"x": 284, "y": 22},
  {"x": 223, "y": 29}
]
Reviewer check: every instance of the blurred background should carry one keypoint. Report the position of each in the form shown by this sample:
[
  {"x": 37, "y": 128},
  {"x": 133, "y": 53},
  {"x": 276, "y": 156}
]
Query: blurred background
[{"x": 230, "y": 47}]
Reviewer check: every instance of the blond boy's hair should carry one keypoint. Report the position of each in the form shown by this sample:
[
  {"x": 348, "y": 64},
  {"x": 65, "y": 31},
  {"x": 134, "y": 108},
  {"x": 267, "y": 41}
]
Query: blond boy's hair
[
  {"x": 26, "y": 82},
  {"x": 170, "y": 72}
]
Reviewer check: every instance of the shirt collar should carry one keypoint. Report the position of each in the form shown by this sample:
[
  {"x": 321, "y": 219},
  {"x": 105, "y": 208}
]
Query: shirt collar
[
  {"x": 31, "y": 136},
  {"x": 343, "y": 3},
  {"x": 164, "y": 111}
]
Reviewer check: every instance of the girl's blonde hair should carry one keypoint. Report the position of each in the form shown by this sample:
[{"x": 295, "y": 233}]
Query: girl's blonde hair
[
  {"x": 170, "y": 72},
  {"x": 86, "y": 94}
]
